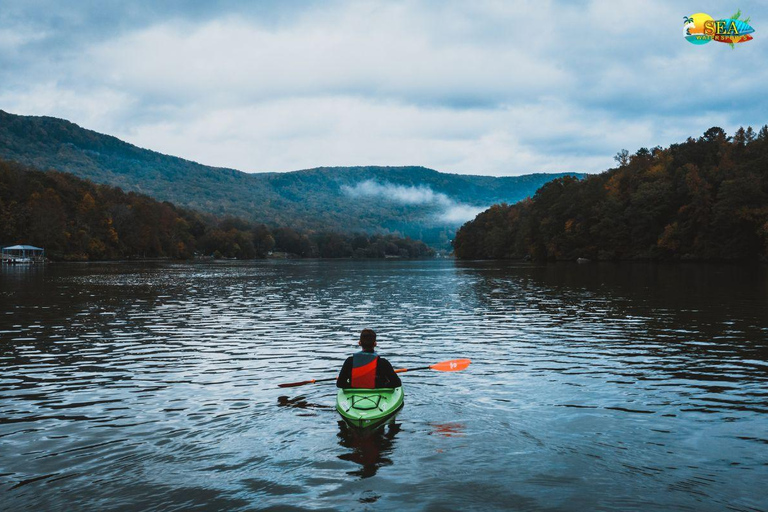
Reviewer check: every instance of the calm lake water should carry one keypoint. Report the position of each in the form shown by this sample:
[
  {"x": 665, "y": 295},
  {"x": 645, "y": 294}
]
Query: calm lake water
[{"x": 593, "y": 387}]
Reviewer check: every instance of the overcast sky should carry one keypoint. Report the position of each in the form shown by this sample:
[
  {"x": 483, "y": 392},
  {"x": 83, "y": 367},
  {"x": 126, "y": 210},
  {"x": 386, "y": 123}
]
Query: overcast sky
[{"x": 497, "y": 87}]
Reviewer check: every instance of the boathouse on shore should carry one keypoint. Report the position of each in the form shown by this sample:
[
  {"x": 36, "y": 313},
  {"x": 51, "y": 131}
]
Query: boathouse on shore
[{"x": 22, "y": 255}]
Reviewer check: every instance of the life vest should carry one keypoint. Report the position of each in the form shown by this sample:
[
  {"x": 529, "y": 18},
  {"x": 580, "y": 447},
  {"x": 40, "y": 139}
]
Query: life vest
[{"x": 364, "y": 370}]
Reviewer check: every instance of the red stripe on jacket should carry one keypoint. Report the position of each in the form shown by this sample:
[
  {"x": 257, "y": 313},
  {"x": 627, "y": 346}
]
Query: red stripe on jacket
[{"x": 365, "y": 376}]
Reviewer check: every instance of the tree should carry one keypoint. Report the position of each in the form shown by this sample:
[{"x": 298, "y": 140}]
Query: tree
[
  {"x": 715, "y": 135},
  {"x": 704, "y": 199},
  {"x": 75, "y": 219},
  {"x": 622, "y": 158},
  {"x": 740, "y": 137}
]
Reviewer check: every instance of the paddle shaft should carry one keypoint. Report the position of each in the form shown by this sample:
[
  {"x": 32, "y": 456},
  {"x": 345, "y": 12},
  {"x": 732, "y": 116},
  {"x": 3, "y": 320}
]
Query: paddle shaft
[
  {"x": 295, "y": 384},
  {"x": 312, "y": 381},
  {"x": 403, "y": 370}
]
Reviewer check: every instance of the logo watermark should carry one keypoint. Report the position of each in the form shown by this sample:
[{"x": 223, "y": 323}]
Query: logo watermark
[{"x": 701, "y": 28}]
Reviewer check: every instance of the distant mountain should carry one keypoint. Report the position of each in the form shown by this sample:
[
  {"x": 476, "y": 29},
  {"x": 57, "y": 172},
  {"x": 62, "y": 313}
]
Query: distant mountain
[{"x": 414, "y": 201}]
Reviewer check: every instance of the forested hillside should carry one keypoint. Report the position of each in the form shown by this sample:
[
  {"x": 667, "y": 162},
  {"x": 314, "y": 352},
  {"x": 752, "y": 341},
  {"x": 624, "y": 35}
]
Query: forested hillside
[
  {"x": 704, "y": 199},
  {"x": 413, "y": 201},
  {"x": 75, "y": 219}
]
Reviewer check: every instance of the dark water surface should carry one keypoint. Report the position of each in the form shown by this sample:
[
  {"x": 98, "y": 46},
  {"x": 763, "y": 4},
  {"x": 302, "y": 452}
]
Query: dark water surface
[{"x": 593, "y": 387}]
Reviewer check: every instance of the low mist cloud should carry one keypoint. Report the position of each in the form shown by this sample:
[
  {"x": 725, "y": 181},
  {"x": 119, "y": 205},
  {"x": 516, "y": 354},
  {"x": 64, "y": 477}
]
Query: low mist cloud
[
  {"x": 460, "y": 213},
  {"x": 447, "y": 210},
  {"x": 397, "y": 193}
]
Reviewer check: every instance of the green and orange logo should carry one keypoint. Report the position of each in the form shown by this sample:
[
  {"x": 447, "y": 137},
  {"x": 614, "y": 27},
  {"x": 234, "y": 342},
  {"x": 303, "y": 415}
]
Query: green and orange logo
[{"x": 701, "y": 28}]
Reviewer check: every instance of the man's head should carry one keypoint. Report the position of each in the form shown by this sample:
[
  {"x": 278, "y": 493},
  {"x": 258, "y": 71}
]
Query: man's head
[{"x": 367, "y": 340}]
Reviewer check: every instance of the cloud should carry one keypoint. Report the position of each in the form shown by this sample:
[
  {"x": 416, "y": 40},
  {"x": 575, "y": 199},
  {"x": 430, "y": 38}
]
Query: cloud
[
  {"x": 364, "y": 55},
  {"x": 398, "y": 193},
  {"x": 445, "y": 210},
  {"x": 500, "y": 88},
  {"x": 93, "y": 109},
  {"x": 460, "y": 213}
]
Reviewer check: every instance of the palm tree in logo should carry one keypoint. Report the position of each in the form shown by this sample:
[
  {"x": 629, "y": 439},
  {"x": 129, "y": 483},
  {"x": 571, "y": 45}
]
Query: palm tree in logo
[{"x": 688, "y": 21}]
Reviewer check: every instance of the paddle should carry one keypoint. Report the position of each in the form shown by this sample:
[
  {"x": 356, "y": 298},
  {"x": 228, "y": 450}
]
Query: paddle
[{"x": 454, "y": 365}]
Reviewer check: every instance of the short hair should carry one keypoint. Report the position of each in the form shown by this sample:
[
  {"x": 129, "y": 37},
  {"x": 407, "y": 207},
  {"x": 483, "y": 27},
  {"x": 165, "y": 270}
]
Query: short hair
[{"x": 367, "y": 339}]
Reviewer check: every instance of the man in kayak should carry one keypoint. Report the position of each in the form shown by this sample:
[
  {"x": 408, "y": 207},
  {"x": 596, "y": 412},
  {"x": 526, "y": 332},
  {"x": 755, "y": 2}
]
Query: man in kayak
[{"x": 366, "y": 369}]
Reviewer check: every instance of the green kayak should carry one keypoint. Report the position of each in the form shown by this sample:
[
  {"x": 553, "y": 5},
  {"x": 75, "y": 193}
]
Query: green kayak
[{"x": 368, "y": 407}]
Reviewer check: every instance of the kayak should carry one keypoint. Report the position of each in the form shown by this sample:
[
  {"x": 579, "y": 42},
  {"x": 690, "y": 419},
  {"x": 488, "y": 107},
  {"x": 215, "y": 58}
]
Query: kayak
[{"x": 368, "y": 407}]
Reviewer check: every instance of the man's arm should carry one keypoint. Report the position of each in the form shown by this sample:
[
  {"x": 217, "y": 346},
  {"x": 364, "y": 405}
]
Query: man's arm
[
  {"x": 387, "y": 374},
  {"x": 344, "y": 379}
]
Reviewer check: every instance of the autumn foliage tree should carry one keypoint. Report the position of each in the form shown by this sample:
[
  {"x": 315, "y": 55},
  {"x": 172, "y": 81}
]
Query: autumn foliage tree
[
  {"x": 703, "y": 199},
  {"x": 75, "y": 219}
]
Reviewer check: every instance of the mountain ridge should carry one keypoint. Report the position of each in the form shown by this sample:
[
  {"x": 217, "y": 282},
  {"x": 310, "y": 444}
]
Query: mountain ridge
[{"x": 425, "y": 204}]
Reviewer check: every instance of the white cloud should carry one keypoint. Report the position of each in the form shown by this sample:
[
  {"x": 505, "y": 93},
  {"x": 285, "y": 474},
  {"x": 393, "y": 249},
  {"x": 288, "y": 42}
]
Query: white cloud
[
  {"x": 445, "y": 209},
  {"x": 397, "y": 193},
  {"x": 384, "y": 52},
  {"x": 11, "y": 40},
  {"x": 500, "y": 88},
  {"x": 460, "y": 214},
  {"x": 97, "y": 110}
]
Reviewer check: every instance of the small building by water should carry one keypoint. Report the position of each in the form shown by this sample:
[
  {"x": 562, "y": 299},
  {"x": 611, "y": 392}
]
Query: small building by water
[{"x": 22, "y": 255}]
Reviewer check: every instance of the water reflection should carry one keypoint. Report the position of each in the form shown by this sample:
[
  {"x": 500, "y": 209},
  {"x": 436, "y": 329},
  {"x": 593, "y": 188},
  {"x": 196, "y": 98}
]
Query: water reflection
[
  {"x": 300, "y": 402},
  {"x": 371, "y": 448},
  {"x": 667, "y": 328},
  {"x": 452, "y": 429}
]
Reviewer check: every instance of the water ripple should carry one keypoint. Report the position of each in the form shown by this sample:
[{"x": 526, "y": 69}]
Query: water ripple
[{"x": 612, "y": 387}]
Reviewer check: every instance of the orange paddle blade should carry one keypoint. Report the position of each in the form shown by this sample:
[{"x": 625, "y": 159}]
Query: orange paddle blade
[{"x": 454, "y": 365}]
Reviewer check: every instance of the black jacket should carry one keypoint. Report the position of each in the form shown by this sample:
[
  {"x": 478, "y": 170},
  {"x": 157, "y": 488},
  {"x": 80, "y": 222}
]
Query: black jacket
[{"x": 385, "y": 375}]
